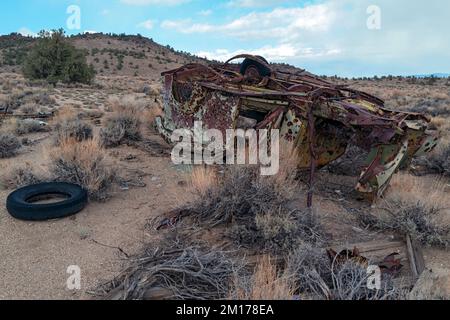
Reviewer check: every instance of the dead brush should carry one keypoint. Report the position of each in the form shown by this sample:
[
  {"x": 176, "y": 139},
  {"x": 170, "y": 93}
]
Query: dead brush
[
  {"x": 279, "y": 231},
  {"x": 9, "y": 145},
  {"x": 67, "y": 125},
  {"x": 21, "y": 176},
  {"x": 266, "y": 283},
  {"x": 237, "y": 197},
  {"x": 417, "y": 219},
  {"x": 203, "y": 179},
  {"x": 83, "y": 163},
  {"x": 438, "y": 162},
  {"x": 316, "y": 277},
  {"x": 125, "y": 124},
  {"x": 256, "y": 207},
  {"x": 30, "y": 126},
  {"x": 175, "y": 272}
]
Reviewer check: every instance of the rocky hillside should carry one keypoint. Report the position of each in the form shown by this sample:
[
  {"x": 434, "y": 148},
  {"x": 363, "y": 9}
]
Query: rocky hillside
[{"x": 109, "y": 54}]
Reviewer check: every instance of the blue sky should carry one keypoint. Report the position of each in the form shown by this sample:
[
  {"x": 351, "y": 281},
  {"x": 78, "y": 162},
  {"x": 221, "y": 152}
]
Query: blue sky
[{"x": 344, "y": 37}]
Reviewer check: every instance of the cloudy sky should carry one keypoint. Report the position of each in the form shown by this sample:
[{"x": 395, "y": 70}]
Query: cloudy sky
[{"x": 344, "y": 37}]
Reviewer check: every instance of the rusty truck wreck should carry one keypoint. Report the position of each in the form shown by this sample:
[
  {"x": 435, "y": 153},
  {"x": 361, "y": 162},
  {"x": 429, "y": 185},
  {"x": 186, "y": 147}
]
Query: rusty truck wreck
[{"x": 321, "y": 119}]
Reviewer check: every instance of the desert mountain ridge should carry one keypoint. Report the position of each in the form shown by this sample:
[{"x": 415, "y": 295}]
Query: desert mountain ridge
[{"x": 110, "y": 54}]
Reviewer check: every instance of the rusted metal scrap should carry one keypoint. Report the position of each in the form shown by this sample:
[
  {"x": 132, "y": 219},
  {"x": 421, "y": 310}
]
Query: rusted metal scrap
[
  {"x": 389, "y": 265},
  {"x": 319, "y": 118}
]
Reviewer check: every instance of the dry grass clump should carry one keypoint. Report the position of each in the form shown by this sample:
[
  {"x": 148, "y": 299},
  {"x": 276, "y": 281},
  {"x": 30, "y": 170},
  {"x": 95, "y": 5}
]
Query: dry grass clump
[
  {"x": 181, "y": 273},
  {"x": 82, "y": 163},
  {"x": 279, "y": 231},
  {"x": 438, "y": 162},
  {"x": 257, "y": 208},
  {"x": 239, "y": 196},
  {"x": 30, "y": 126},
  {"x": 9, "y": 145},
  {"x": 316, "y": 277},
  {"x": 414, "y": 206},
  {"x": 67, "y": 125},
  {"x": 420, "y": 221},
  {"x": 29, "y": 108},
  {"x": 125, "y": 123},
  {"x": 21, "y": 176},
  {"x": 266, "y": 283},
  {"x": 203, "y": 179}
]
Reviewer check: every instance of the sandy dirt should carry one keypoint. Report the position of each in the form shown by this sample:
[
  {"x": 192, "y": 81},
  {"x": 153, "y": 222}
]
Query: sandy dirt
[{"x": 35, "y": 255}]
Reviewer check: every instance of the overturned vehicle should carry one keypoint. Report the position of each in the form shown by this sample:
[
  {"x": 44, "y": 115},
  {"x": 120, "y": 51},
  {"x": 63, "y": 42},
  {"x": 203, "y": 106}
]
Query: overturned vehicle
[{"x": 321, "y": 119}]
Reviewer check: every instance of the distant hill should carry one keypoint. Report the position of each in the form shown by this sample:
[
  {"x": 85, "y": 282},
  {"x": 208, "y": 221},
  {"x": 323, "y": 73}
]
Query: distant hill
[
  {"x": 434, "y": 75},
  {"x": 109, "y": 54}
]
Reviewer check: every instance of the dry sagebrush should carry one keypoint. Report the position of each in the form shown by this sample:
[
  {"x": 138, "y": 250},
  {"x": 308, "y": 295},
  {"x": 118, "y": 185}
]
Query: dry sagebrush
[
  {"x": 67, "y": 125},
  {"x": 438, "y": 162},
  {"x": 256, "y": 209},
  {"x": 415, "y": 206},
  {"x": 316, "y": 277},
  {"x": 21, "y": 176},
  {"x": 125, "y": 123},
  {"x": 83, "y": 163},
  {"x": 9, "y": 145}
]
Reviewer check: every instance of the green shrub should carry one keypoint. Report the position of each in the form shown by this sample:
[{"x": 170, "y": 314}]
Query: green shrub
[{"x": 54, "y": 59}]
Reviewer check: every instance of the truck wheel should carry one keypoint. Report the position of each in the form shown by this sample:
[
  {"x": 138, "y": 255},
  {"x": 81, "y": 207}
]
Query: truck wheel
[{"x": 251, "y": 64}]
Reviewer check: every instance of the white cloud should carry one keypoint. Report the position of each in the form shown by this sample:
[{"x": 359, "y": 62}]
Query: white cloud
[
  {"x": 148, "y": 24},
  {"x": 154, "y": 2},
  {"x": 280, "y": 23},
  {"x": 253, "y": 3},
  {"x": 280, "y": 53},
  {"x": 27, "y": 32},
  {"x": 205, "y": 13}
]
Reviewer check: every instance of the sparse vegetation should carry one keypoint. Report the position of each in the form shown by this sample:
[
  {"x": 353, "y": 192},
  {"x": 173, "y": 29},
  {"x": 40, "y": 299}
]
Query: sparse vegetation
[
  {"x": 317, "y": 277},
  {"x": 125, "y": 123},
  {"x": 192, "y": 272},
  {"x": 83, "y": 163},
  {"x": 9, "y": 145},
  {"x": 412, "y": 207},
  {"x": 21, "y": 177},
  {"x": 418, "y": 220},
  {"x": 68, "y": 126},
  {"x": 30, "y": 126},
  {"x": 438, "y": 162},
  {"x": 266, "y": 283},
  {"x": 257, "y": 208}
]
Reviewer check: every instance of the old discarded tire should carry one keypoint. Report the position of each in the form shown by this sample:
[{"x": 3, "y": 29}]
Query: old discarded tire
[{"x": 20, "y": 207}]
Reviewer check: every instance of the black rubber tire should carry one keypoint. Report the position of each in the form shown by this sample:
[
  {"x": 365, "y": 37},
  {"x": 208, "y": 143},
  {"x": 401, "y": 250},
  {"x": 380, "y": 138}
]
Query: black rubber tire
[
  {"x": 263, "y": 70},
  {"x": 19, "y": 208}
]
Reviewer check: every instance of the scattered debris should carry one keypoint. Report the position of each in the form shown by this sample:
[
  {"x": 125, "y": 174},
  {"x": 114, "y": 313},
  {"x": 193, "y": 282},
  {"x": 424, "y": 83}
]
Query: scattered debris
[{"x": 389, "y": 265}]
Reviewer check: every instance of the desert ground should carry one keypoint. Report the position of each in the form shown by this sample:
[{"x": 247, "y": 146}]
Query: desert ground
[{"x": 140, "y": 184}]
